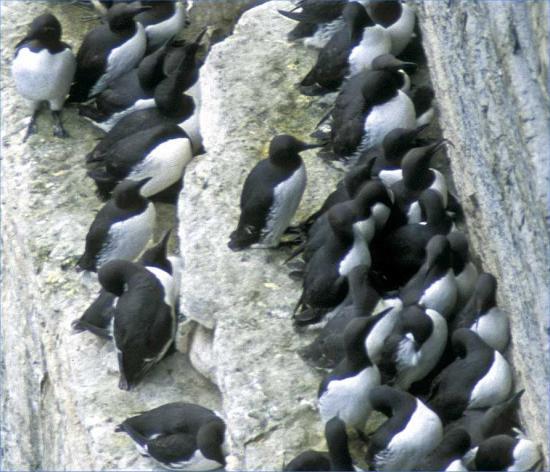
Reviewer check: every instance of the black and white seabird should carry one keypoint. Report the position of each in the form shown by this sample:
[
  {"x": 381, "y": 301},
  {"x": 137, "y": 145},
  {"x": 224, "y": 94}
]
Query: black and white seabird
[
  {"x": 345, "y": 391},
  {"x": 132, "y": 91},
  {"x": 144, "y": 320},
  {"x": 133, "y": 123},
  {"x": 328, "y": 347},
  {"x": 481, "y": 424},
  {"x": 121, "y": 229},
  {"x": 480, "y": 377},
  {"x": 417, "y": 177},
  {"x": 109, "y": 51},
  {"x": 271, "y": 194},
  {"x": 372, "y": 205},
  {"x": 325, "y": 279},
  {"x": 180, "y": 436},
  {"x": 414, "y": 347},
  {"x": 411, "y": 432},
  {"x": 160, "y": 154},
  {"x": 448, "y": 455},
  {"x": 434, "y": 285},
  {"x": 386, "y": 160},
  {"x": 98, "y": 316},
  {"x": 390, "y": 315},
  {"x": 337, "y": 458},
  {"x": 369, "y": 106},
  {"x": 43, "y": 69},
  {"x": 157, "y": 83},
  {"x": 482, "y": 315},
  {"x": 318, "y": 21},
  {"x": 348, "y": 52},
  {"x": 508, "y": 453},
  {"x": 346, "y": 189}
]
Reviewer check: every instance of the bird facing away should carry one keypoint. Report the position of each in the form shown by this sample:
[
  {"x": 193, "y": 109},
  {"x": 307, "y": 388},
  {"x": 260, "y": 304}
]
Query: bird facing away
[{"x": 144, "y": 318}]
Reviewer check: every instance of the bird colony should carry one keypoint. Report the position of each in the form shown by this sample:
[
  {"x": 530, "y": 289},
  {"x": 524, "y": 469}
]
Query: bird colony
[{"x": 409, "y": 329}]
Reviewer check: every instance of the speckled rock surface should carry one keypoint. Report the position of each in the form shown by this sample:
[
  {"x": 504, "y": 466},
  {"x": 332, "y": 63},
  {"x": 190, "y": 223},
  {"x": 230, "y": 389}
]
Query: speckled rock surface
[
  {"x": 220, "y": 16},
  {"x": 59, "y": 400},
  {"x": 489, "y": 66},
  {"x": 249, "y": 96},
  {"x": 59, "y": 395}
]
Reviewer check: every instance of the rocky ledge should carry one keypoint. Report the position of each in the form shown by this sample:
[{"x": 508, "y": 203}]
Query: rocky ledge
[
  {"x": 59, "y": 397},
  {"x": 247, "y": 298}
]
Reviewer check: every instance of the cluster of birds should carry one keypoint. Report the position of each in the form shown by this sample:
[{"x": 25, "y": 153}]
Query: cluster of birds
[
  {"x": 134, "y": 80},
  {"x": 413, "y": 331}
]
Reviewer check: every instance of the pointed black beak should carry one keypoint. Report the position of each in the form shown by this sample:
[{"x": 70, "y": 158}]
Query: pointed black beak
[
  {"x": 419, "y": 130},
  {"x": 165, "y": 239},
  {"x": 391, "y": 63},
  {"x": 433, "y": 148},
  {"x": 306, "y": 146},
  {"x": 141, "y": 183},
  {"x": 408, "y": 67},
  {"x": 199, "y": 37}
]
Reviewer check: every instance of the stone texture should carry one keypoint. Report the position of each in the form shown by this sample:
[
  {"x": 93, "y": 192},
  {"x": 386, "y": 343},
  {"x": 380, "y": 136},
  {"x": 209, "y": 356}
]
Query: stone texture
[
  {"x": 59, "y": 392},
  {"x": 248, "y": 91},
  {"x": 59, "y": 400},
  {"x": 220, "y": 16},
  {"x": 489, "y": 66}
]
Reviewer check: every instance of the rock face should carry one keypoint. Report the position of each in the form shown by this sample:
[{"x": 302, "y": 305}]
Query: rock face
[
  {"x": 489, "y": 66},
  {"x": 247, "y": 85},
  {"x": 59, "y": 400},
  {"x": 220, "y": 16}
]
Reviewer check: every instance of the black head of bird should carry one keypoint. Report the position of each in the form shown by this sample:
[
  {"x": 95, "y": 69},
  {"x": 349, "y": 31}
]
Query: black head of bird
[
  {"x": 121, "y": 15},
  {"x": 465, "y": 341},
  {"x": 378, "y": 86},
  {"x": 356, "y": 17},
  {"x": 390, "y": 63},
  {"x": 45, "y": 28},
  {"x": 374, "y": 192},
  {"x": 341, "y": 218},
  {"x": 459, "y": 248},
  {"x": 416, "y": 325},
  {"x": 485, "y": 292},
  {"x": 210, "y": 440},
  {"x": 284, "y": 146},
  {"x": 114, "y": 275},
  {"x": 416, "y": 165},
  {"x": 398, "y": 141},
  {"x": 385, "y": 12},
  {"x": 127, "y": 192},
  {"x": 156, "y": 256}
]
